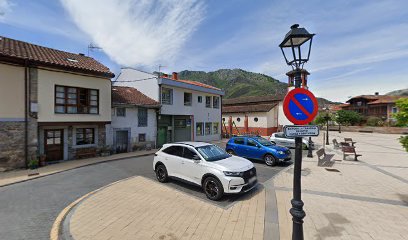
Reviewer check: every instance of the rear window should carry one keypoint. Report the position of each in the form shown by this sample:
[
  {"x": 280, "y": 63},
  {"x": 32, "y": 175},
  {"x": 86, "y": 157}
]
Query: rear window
[
  {"x": 239, "y": 141},
  {"x": 174, "y": 150}
]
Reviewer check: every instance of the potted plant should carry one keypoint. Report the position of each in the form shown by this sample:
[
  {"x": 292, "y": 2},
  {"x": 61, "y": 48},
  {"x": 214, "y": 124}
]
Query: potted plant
[{"x": 33, "y": 163}]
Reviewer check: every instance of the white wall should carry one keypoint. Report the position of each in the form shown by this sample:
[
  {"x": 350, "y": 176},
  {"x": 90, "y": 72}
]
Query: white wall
[
  {"x": 282, "y": 120},
  {"x": 131, "y": 121},
  {"x": 46, "y": 96},
  {"x": 11, "y": 92},
  {"x": 149, "y": 87}
]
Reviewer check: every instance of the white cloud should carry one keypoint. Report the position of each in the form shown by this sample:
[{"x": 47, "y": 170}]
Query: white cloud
[
  {"x": 5, "y": 7},
  {"x": 137, "y": 32}
]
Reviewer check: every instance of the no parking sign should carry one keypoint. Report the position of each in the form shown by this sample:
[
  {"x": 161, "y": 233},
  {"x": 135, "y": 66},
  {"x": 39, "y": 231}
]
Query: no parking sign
[{"x": 300, "y": 106}]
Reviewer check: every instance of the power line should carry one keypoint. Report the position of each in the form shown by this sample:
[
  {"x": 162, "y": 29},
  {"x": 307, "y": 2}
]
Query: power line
[{"x": 137, "y": 80}]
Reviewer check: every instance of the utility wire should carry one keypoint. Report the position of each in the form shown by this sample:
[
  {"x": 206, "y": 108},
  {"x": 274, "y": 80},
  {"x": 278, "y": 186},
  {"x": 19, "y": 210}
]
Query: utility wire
[{"x": 137, "y": 80}]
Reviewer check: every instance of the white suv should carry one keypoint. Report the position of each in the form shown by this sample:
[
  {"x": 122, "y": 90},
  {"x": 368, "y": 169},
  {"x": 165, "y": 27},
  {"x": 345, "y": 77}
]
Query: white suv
[{"x": 206, "y": 165}]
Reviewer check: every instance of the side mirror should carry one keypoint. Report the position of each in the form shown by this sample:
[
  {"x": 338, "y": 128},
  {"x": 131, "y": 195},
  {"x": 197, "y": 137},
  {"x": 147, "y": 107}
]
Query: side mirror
[{"x": 196, "y": 158}]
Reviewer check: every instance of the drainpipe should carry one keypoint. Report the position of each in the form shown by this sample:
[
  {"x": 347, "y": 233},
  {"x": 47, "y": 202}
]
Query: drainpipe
[{"x": 26, "y": 112}]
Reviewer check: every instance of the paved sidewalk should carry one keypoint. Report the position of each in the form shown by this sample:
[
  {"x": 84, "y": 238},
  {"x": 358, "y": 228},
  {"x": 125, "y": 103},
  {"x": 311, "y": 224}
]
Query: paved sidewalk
[
  {"x": 139, "y": 208},
  {"x": 367, "y": 199},
  {"x": 7, "y": 178}
]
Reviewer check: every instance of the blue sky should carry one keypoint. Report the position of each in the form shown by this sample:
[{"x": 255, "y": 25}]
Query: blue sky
[{"x": 360, "y": 47}]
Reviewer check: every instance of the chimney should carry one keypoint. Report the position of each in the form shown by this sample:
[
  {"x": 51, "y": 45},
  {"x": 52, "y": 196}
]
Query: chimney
[
  {"x": 376, "y": 93},
  {"x": 175, "y": 77},
  {"x": 81, "y": 54},
  {"x": 165, "y": 75}
]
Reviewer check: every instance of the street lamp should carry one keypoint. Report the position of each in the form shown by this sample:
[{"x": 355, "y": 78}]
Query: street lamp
[
  {"x": 293, "y": 43},
  {"x": 327, "y": 118}
]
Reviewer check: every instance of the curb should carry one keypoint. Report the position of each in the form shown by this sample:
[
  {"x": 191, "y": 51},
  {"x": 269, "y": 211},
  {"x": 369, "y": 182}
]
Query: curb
[
  {"x": 65, "y": 170},
  {"x": 56, "y": 226}
]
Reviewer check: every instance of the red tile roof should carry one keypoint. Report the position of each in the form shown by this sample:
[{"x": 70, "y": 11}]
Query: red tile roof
[
  {"x": 131, "y": 96},
  {"x": 18, "y": 51},
  {"x": 194, "y": 83},
  {"x": 248, "y": 108},
  {"x": 378, "y": 99}
]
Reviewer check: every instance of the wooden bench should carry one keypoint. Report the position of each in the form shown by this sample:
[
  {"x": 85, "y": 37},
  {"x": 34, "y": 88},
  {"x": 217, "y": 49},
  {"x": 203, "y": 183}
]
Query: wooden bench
[
  {"x": 338, "y": 145},
  {"x": 349, "y": 140},
  {"x": 85, "y": 153},
  {"x": 350, "y": 150},
  {"x": 324, "y": 160}
]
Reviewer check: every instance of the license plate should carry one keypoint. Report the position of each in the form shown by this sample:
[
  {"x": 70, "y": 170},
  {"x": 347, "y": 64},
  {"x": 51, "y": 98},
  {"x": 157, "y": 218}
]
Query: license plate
[{"x": 251, "y": 180}]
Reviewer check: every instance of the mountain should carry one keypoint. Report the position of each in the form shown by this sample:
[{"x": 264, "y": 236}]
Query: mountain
[
  {"x": 401, "y": 92},
  {"x": 322, "y": 102},
  {"x": 237, "y": 82}
]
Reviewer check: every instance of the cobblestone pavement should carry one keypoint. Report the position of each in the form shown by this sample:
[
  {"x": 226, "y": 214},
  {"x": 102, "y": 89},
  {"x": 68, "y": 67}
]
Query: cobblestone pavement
[
  {"x": 367, "y": 199},
  {"x": 140, "y": 208},
  {"x": 28, "y": 209}
]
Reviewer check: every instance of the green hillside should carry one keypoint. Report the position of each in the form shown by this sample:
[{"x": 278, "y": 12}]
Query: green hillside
[
  {"x": 401, "y": 92},
  {"x": 237, "y": 82}
]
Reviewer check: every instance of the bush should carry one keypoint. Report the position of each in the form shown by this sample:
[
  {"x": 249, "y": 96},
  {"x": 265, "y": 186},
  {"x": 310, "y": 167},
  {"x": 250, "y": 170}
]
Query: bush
[
  {"x": 404, "y": 142},
  {"x": 374, "y": 121}
]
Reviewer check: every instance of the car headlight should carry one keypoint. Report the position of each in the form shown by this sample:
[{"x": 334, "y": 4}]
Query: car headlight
[
  {"x": 281, "y": 152},
  {"x": 233, "y": 174}
]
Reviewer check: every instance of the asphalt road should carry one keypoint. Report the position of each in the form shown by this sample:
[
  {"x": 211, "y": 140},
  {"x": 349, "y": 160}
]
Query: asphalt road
[{"x": 28, "y": 209}]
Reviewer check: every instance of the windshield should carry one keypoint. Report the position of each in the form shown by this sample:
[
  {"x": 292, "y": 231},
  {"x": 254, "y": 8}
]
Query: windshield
[
  {"x": 212, "y": 153},
  {"x": 263, "y": 141}
]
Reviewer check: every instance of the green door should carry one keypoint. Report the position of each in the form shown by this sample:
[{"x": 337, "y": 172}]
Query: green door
[{"x": 162, "y": 136}]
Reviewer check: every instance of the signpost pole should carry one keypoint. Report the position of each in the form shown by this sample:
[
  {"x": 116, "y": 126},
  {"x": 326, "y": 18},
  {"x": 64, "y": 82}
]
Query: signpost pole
[{"x": 297, "y": 204}]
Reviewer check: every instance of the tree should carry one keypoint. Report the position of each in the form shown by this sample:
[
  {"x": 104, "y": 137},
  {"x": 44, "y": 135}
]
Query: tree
[
  {"x": 402, "y": 118},
  {"x": 402, "y": 115},
  {"x": 322, "y": 117},
  {"x": 346, "y": 117}
]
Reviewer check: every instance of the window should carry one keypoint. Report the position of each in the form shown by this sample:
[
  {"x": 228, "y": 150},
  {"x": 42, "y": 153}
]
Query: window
[
  {"x": 251, "y": 143},
  {"x": 187, "y": 99},
  {"x": 207, "y": 101},
  {"x": 200, "y": 99},
  {"x": 85, "y": 136},
  {"x": 238, "y": 119},
  {"x": 142, "y": 117},
  {"x": 239, "y": 141},
  {"x": 216, "y": 102},
  {"x": 142, "y": 137},
  {"x": 199, "y": 129},
  {"x": 75, "y": 100},
  {"x": 215, "y": 128},
  {"x": 174, "y": 150},
  {"x": 394, "y": 110},
  {"x": 121, "y": 112},
  {"x": 256, "y": 119},
  {"x": 187, "y": 153},
  {"x": 208, "y": 128},
  {"x": 167, "y": 96}
]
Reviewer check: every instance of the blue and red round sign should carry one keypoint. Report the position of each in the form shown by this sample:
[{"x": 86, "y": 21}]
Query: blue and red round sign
[{"x": 300, "y": 106}]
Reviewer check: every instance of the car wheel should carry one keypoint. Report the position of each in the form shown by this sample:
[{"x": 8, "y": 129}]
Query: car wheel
[
  {"x": 270, "y": 160},
  {"x": 161, "y": 173},
  {"x": 213, "y": 188},
  {"x": 231, "y": 152}
]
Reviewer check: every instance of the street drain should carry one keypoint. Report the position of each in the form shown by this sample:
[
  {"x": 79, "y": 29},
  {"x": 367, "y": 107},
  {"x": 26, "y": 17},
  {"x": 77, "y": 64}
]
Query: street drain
[{"x": 332, "y": 170}]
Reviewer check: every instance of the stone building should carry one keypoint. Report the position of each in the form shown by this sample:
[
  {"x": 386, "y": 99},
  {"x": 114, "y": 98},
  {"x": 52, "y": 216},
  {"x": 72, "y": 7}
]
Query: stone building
[{"x": 52, "y": 102}]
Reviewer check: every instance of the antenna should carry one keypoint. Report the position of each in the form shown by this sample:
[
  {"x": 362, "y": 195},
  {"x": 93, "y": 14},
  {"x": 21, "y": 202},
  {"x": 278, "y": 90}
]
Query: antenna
[
  {"x": 91, "y": 47},
  {"x": 160, "y": 66}
]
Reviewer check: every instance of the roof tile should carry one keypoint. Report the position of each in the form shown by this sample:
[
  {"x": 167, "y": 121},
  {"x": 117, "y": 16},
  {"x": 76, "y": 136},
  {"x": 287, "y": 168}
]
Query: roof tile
[{"x": 131, "y": 96}]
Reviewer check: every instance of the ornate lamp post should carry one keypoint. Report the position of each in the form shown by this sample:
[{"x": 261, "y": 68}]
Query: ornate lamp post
[{"x": 291, "y": 48}]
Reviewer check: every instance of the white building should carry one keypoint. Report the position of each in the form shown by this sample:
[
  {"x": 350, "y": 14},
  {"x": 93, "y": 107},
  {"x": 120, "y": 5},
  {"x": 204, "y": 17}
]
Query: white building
[
  {"x": 134, "y": 120},
  {"x": 190, "y": 110}
]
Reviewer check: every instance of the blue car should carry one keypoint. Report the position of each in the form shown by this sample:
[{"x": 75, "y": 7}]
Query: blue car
[{"x": 255, "y": 147}]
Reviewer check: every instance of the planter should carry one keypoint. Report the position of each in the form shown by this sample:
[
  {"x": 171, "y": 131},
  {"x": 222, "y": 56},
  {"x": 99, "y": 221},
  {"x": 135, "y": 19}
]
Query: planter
[{"x": 42, "y": 160}]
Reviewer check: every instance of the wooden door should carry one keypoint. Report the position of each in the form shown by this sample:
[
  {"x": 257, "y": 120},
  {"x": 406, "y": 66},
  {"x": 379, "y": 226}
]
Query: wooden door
[
  {"x": 54, "y": 144},
  {"x": 122, "y": 142}
]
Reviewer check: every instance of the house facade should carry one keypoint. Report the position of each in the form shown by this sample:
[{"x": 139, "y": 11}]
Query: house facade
[
  {"x": 190, "y": 110},
  {"x": 58, "y": 106},
  {"x": 251, "y": 115},
  {"x": 382, "y": 106},
  {"x": 134, "y": 120}
]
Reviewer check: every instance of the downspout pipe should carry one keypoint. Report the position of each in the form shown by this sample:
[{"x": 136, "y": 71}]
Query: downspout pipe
[{"x": 26, "y": 99}]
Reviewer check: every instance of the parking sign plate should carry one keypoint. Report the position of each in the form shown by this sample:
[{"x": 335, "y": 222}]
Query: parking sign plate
[{"x": 301, "y": 131}]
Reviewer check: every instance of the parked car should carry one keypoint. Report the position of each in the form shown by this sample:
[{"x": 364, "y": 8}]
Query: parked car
[
  {"x": 255, "y": 147},
  {"x": 206, "y": 165},
  {"x": 280, "y": 139}
]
